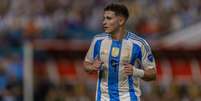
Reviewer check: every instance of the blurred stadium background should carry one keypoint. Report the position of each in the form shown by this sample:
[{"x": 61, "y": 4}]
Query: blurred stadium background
[{"x": 43, "y": 44}]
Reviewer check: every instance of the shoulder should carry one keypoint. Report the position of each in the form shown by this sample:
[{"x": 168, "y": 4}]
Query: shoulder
[
  {"x": 136, "y": 39},
  {"x": 101, "y": 36}
]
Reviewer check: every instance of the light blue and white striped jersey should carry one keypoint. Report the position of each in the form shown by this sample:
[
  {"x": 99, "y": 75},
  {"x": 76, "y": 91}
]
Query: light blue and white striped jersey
[{"x": 113, "y": 84}]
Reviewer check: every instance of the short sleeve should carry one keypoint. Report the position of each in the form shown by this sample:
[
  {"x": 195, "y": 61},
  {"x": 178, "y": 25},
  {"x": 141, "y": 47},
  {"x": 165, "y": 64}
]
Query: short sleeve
[
  {"x": 89, "y": 55},
  {"x": 148, "y": 60}
]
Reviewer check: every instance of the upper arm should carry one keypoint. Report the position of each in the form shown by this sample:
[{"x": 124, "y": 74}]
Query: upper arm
[
  {"x": 147, "y": 60},
  {"x": 90, "y": 52},
  {"x": 148, "y": 63}
]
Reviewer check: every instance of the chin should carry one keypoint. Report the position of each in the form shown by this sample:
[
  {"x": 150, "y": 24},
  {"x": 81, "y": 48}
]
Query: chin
[{"x": 108, "y": 32}]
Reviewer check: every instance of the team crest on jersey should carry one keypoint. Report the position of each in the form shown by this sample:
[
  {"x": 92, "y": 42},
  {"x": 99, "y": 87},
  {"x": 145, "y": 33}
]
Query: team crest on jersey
[
  {"x": 115, "y": 51},
  {"x": 150, "y": 58}
]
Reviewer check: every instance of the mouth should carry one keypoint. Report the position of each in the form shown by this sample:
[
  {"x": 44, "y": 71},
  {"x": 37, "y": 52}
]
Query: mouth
[{"x": 105, "y": 27}]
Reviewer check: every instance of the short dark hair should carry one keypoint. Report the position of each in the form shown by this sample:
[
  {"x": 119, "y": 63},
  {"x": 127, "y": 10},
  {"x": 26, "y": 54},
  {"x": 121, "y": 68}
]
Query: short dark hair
[{"x": 118, "y": 8}]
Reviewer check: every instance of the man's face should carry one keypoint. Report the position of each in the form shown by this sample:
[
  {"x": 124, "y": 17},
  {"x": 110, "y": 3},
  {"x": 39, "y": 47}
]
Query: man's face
[{"x": 110, "y": 22}]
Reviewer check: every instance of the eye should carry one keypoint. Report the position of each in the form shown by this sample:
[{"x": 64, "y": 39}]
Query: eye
[
  {"x": 109, "y": 18},
  {"x": 106, "y": 18}
]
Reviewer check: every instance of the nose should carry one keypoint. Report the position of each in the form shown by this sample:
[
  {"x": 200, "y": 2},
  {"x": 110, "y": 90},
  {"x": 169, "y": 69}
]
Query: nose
[{"x": 104, "y": 22}]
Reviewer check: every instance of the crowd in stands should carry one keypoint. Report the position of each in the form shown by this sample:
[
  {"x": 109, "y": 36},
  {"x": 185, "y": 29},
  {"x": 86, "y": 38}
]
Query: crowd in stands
[
  {"x": 11, "y": 75},
  {"x": 22, "y": 20},
  {"x": 71, "y": 19}
]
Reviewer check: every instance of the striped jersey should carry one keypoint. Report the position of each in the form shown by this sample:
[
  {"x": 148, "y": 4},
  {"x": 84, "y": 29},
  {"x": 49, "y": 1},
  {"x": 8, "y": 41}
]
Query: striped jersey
[{"x": 113, "y": 84}]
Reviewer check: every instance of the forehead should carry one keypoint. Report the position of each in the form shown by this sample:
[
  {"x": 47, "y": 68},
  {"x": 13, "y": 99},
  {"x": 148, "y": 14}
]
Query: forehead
[{"x": 109, "y": 13}]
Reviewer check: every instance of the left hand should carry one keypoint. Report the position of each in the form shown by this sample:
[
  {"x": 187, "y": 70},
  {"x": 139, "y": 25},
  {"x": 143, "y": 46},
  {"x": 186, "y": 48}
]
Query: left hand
[{"x": 128, "y": 69}]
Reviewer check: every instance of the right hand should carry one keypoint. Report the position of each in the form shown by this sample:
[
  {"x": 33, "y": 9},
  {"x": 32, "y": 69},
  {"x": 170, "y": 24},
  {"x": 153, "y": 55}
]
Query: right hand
[{"x": 96, "y": 64}]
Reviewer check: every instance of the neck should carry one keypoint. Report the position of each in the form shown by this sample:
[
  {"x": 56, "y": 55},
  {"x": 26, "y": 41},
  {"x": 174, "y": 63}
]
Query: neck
[{"x": 118, "y": 35}]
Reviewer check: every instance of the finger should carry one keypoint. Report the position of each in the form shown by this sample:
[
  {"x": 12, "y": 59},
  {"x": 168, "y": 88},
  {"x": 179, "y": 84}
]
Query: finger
[
  {"x": 125, "y": 63},
  {"x": 126, "y": 71},
  {"x": 127, "y": 67},
  {"x": 97, "y": 65}
]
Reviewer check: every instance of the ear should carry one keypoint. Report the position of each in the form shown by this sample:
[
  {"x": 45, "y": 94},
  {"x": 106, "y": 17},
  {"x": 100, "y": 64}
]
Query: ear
[{"x": 121, "y": 20}]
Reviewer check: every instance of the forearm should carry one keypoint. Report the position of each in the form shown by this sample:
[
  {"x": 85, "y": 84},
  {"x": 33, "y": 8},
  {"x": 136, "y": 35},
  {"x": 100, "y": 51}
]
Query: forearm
[
  {"x": 149, "y": 74},
  {"x": 88, "y": 67}
]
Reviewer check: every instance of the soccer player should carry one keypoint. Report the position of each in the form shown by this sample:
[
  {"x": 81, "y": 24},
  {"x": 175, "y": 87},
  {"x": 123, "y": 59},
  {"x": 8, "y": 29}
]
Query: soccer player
[{"x": 120, "y": 57}]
